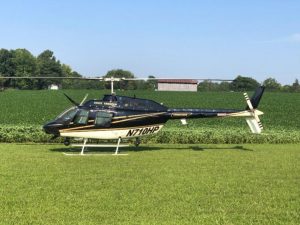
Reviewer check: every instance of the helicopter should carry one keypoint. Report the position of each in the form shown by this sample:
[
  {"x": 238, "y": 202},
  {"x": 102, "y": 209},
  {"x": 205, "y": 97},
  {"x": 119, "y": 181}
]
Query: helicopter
[{"x": 117, "y": 117}]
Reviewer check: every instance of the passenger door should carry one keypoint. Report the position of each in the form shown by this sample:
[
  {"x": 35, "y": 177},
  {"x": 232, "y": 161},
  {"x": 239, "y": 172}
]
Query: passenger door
[
  {"x": 103, "y": 119},
  {"x": 81, "y": 117}
]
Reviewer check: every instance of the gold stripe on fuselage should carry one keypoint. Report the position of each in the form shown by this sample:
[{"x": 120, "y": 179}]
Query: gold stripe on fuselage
[
  {"x": 130, "y": 116},
  {"x": 75, "y": 128},
  {"x": 236, "y": 114},
  {"x": 137, "y": 117}
]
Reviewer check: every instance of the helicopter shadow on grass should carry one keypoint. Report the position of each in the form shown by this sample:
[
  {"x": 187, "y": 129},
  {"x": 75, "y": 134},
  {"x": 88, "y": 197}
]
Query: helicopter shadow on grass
[
  {"x": 237, "y": 147},
  {"x": 148, "y": 148},
  {"x": 190, "y": 147}
]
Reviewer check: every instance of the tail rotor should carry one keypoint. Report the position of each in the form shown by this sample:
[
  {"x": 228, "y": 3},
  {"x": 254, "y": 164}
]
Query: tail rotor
[{"x": 253, "y": 121}]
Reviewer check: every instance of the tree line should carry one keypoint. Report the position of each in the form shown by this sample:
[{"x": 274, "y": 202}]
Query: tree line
[
  {"x": 22, "y": 63},
  {"x": 241, "y": 83}
]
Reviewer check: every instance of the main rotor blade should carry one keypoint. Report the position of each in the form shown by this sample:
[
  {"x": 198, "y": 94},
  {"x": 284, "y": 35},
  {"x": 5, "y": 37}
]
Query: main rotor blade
[
  {"x": 71, "y": 100},
  {"x": 58, "y": 78},
  {"x": 83, "y": 100},
  {"x": 113, "y": 78},
  {"x": 198, "y": 79}
]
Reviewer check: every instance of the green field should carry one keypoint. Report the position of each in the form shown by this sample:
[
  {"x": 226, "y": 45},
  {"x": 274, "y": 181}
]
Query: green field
[
  {"x": 192, "y": 183},
  {"x": 22, "y": 114},
  {"x": 159, "y": 184}
]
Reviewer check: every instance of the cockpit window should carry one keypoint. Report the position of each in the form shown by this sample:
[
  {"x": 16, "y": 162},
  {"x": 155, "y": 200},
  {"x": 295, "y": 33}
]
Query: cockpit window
[
  {"x": 67, "y": 114},
  {"x": 82, "y": 117}
]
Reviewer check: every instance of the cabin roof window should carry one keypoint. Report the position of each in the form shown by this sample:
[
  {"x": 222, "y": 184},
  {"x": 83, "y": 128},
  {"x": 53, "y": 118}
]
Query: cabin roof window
[
  {"x": 109, "y": 98},
  {"x": 139, "y": 104}
]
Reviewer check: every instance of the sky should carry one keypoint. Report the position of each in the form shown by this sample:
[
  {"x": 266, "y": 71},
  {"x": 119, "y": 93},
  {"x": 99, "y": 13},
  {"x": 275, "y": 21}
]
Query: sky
[{"x": 169, "y": 39}]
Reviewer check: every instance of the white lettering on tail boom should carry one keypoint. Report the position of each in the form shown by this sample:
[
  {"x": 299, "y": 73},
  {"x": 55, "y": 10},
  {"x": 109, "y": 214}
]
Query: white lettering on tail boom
[{"x": 142, "y": 131}]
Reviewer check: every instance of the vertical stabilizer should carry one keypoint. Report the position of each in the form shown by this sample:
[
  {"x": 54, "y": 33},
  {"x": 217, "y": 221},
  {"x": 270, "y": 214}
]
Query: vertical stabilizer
[{"x": 255, "y": 99}]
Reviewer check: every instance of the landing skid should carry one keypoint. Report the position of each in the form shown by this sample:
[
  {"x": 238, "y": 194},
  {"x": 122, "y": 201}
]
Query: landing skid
[{"x": 85, "y": 145}]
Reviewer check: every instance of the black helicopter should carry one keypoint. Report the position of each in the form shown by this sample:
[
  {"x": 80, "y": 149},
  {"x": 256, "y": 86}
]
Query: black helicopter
[
  {"x": 121, "y": 117},
  {"x": 118, "y": 117}
]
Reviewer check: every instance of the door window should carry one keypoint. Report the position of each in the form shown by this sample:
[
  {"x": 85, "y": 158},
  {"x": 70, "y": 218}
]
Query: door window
[
  {"x": 103, "y": 119},
  {"x": 82, "y": 117}
]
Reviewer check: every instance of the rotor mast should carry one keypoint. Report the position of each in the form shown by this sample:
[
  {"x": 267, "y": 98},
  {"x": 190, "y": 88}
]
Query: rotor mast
[{"x": 112, "y": 80}]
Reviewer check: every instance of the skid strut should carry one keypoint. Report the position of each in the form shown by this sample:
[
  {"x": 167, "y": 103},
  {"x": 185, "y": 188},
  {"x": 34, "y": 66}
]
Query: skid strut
[
  {"x": 83, "y": 146},
  {"x": 117, "y": 148}
]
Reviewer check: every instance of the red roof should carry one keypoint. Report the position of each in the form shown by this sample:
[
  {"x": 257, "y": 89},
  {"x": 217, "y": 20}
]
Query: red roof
[{"x": 178, "y": 81}]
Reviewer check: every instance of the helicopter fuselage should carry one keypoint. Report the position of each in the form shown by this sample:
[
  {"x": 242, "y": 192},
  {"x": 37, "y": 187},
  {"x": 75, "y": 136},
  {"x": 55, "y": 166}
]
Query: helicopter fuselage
[{"x": 116, "y": 117}]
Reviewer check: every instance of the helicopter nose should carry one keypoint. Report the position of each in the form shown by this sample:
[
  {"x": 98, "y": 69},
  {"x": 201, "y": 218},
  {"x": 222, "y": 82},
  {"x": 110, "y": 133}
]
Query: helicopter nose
[{"x": 52, "y": 128}]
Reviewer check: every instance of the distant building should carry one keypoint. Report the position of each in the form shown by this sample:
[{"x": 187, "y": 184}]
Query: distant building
[
  {"x": 177, "y": 85},
  {"x": 53, "y": 87}
]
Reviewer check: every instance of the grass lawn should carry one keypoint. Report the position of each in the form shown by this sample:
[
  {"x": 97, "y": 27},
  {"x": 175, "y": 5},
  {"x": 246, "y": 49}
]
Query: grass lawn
[{"x": 159, "y": 184}]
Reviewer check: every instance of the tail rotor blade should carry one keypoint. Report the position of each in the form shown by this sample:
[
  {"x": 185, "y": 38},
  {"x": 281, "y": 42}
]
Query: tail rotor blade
[
  {"x": 253, "y": 125},
  {"x": 248, "y": 101},
  {"x": 258, "y": 120}
]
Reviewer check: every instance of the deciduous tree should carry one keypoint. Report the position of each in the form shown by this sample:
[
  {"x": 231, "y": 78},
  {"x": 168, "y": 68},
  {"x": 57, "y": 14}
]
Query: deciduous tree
[
  {"x": 244, "y": 84},
  {"x": 272, "y": 84},
  {"x": 25, "y": 66},
  {"x": 296, "y": 86},
  {"x": 48, "y": 66}
]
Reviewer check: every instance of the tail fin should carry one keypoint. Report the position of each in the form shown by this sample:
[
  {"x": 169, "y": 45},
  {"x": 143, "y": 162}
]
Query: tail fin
[
  {"x": 255, "y": 99},
  {"x": 253, "y": 121}
]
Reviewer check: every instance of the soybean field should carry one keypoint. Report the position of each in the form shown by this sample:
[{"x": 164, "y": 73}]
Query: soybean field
[{"x": 23, "y": 113}]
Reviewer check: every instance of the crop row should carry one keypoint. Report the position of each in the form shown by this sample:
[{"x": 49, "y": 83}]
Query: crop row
[
  {"x": 38, "y": 107},
  {"x": 22, "y": 113},
  {"x": 203, "y": 135}
]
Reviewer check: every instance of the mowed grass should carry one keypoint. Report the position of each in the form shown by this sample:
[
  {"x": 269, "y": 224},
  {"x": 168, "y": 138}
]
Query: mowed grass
[{"x": 157, "y": 184}]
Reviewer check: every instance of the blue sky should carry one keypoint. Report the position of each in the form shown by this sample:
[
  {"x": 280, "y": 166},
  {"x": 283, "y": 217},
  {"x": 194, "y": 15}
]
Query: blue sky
[{"x": 188, "y": 39}]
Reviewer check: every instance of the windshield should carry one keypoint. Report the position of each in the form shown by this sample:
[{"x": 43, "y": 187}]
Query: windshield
[{"x": 67, "y": 114}]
